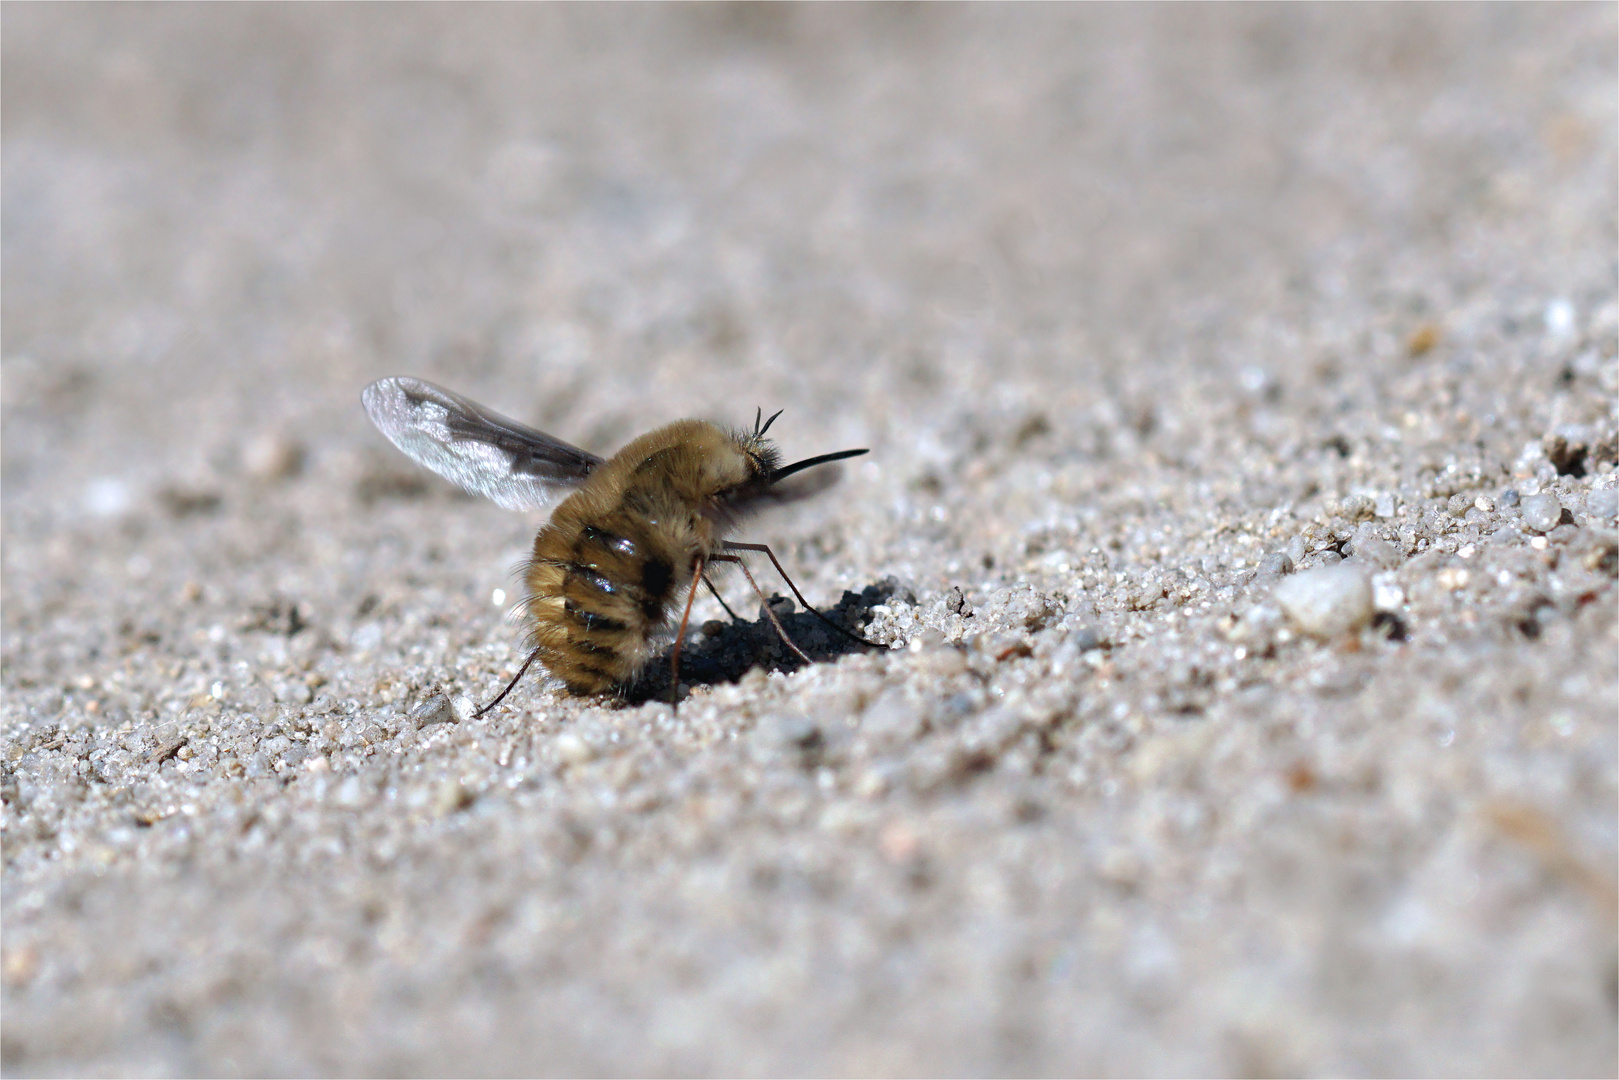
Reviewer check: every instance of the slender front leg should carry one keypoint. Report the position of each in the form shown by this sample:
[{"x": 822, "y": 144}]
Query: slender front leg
[
  {"x": 729, "y": 546},
  {"x": 680, "y": 636},
  {"x": 765, "y": 601}
]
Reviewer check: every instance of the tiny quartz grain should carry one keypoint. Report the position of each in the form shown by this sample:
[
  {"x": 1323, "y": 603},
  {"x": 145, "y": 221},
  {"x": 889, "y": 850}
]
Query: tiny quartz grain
[
  {"x": 1602, "y": 503},
  {"x": 1542, "y": 512},
  {"x": 1329, "y": 602}
]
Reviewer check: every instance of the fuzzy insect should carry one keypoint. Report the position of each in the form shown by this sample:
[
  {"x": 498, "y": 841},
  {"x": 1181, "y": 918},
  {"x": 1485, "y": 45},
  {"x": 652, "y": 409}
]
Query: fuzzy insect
[{"x": 630, "y": 533}]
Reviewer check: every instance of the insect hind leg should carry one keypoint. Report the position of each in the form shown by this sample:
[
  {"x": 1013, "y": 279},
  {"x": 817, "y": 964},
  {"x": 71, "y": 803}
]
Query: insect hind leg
[
  {"x": 707, "y": 581},
  {"x": 780, "y": 629},
  {"x": 532, "y": 656}
]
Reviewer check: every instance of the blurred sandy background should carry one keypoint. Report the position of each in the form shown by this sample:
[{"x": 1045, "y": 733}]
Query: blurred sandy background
[{"x": 1145, "y": 313}]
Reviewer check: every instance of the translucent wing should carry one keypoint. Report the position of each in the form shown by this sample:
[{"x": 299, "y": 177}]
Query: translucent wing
[{"x": 473, "y": 447}]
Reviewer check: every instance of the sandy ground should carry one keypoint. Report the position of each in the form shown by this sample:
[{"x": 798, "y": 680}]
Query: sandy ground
[{"x": 1150, "y": 316}]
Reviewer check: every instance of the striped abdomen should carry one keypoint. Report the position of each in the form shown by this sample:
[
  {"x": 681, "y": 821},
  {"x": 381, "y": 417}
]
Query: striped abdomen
[{"x": 597, "y": 595}]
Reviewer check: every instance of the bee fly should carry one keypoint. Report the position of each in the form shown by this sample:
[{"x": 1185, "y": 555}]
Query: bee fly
[{"x": 629, "y": 532}]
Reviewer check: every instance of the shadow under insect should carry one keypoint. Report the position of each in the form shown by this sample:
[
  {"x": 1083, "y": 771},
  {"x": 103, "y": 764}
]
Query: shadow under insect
[{"x": 723, "y": 651}]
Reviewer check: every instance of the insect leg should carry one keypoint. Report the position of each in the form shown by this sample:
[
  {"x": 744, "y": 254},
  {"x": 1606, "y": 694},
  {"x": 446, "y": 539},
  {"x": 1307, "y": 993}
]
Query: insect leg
[
  {"x": 721, "y": 599},
  {"x": 766, "y": 601},
  {"x": 680, "y": 636},
  {"x": 729, "y": 546},
  {"x": 533, "y": 656}
]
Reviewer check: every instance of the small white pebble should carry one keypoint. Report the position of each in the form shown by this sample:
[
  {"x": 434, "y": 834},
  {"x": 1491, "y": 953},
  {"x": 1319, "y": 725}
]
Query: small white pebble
[
  {"x": 450, "y": 796},
  {"x": 107, "y": 496},
  {"x": 1328, "y": 602},
  {"x": 1377, "y": 552},
  {"x": 572, "y": 749},
  {"x": 1452, "y": 578},
  {"x": 1542, "y": 512},
  {"x": 498, "y": 597},
  {"x": 271, "y": 456},
  {"x": 292, "y": 692},
  {"x": 1387, "y": 596},
  {"x": 1602, "y": 502},
  {"x": 1274, "y": 566},
  {"x": 1560, "y": 318},
  {"x": 1255, "y": 380},
  {"x": 435, "y": 710},
  {"x": 872, "y": 784}
]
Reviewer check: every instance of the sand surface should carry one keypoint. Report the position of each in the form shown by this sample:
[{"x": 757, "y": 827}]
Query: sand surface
[{"x": 1239, "y": 524}]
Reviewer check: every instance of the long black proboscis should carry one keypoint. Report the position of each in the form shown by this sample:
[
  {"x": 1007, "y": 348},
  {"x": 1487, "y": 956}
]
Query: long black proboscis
[{"x": 808, "y": 463}]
